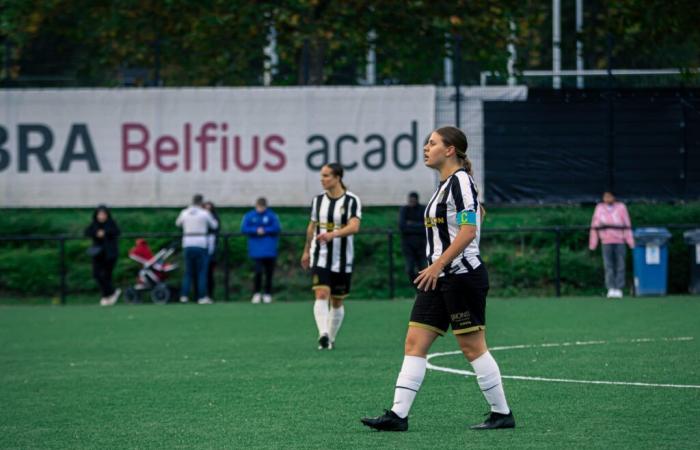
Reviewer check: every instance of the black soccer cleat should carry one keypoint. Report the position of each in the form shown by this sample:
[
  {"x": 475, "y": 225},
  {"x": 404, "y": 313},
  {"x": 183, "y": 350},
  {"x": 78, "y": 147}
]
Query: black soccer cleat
[
  {"x": 323, "y": 342},
  {"x": 387, "y": 422},
  {"x": 496, "y": 420}
]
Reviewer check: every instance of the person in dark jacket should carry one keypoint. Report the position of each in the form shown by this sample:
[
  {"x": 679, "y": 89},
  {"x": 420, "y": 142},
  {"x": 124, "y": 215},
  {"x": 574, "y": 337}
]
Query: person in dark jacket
[
  {"x": 411, "y": 224},
  {"x": 104, "y": 251},
  {"x": 262, "y": 226}
]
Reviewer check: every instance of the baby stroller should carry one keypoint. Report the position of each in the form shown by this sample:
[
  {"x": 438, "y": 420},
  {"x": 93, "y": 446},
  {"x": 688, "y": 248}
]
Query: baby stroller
[{"x": 154, "y": 271}]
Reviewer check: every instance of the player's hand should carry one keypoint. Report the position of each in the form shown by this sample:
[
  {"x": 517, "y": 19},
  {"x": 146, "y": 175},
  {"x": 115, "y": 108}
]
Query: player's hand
[
  {"x": 100, "y": 233},
  {"x": 428, "y": 277},
  {"x": 261, "y": 231},
  {"x": 325, "y": 237},
  {"x": 305, "y": 260}
]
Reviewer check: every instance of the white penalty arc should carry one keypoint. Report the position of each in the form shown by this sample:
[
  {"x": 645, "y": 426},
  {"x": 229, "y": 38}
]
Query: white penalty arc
[{"x": 565, "y": 380}]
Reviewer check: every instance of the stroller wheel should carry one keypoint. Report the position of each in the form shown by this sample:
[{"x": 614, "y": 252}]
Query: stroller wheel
[
  {"x": 160, "y": 294},
  {"x": 131, "y": 295}
]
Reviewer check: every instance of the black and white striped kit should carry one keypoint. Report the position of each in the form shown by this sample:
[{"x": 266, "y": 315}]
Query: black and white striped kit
[
  {"x": 456, "y": 194},
  {"x": 330, "y": 214}
]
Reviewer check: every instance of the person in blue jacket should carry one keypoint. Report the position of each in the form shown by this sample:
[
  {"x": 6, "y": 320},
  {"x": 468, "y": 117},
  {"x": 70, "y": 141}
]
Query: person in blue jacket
[{"x": 262, "y": 226}]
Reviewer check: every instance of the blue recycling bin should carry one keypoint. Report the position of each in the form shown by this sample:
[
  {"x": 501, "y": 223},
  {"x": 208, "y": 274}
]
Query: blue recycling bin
[{"x": 650, "y": 261}]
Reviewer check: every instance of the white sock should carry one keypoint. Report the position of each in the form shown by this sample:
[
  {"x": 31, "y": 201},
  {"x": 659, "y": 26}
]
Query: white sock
[
  {"x": 321, "y": 316},
  {"x": 489, "y": 378},
  {"x": 335, "y": 319},
  {"x": 408, "y": 384}
]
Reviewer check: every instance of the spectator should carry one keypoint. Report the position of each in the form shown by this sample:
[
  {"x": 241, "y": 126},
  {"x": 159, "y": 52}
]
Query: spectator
[
  {"x": 212, "y": 242},
  {"x": 196, "y": 223},
  {"x": 104, "y": 251},
  {"x": 411, "y": 224},
  {"x": 262, "y": 226},
  {"x": 612, "y": 227}
]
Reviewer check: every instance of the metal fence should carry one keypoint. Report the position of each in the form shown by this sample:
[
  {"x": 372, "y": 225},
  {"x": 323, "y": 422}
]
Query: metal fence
[
  {"x": 553, "y": 236},
  {"x": 61, "y": 240}
]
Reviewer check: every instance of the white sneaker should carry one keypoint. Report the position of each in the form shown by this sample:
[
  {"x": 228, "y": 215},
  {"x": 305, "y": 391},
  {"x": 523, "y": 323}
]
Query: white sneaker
[
  {"x": 611, "y": 293},
  {"x": 184, "y": 299},
  {"x": 205, "y": 301},
  {"x": 103, "y": 301},
  {"x": 267, "y": 298},
  {"x": 618, "y": 293},
  {"x": 256, "y": 298},
  {"x": 112, "y": 299}
]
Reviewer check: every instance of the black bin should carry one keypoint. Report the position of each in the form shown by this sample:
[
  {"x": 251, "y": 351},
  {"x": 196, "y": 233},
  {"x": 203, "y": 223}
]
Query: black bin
[{"x": 692, "y": 238}]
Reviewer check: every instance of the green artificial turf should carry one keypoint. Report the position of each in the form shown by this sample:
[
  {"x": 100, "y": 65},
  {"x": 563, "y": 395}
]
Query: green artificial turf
[{"x": 249, "y": 376}]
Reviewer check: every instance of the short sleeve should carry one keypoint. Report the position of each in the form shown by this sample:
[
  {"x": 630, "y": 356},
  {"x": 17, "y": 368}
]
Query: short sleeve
[
  {"x": 464, "y": 193},
  {"x": 356, "y": 208},
  {"x": 314, "y": 210},
  {"x": 464, "y": 197}
]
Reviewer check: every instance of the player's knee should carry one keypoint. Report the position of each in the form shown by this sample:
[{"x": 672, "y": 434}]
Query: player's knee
[
  {"x": 413, "y": 347},
  {"x": 322, "y": 294},
  {"x": 471, "y": 352}
]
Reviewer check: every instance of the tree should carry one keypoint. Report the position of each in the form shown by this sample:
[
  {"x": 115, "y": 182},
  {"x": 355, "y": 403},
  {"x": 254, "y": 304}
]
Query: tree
[{"x": 220, "y": 42}]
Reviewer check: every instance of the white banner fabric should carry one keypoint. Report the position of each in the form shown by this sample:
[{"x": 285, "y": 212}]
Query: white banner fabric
[{"x": 158, "y": 147}]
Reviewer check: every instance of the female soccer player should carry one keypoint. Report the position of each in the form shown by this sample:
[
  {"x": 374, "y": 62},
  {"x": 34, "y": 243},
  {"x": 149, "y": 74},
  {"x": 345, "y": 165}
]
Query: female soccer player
[
  {"x": 452, "y": 289},
  {"x": 335, "y": 217}
]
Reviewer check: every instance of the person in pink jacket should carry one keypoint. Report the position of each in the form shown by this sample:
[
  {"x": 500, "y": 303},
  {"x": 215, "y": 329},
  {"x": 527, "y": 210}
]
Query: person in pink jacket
[{"x": 611, "y": 226}]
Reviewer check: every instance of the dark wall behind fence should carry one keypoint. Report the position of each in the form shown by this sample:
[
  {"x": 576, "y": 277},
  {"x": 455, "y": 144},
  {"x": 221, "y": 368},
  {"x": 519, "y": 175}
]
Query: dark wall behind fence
[{"x": 571, "y": 145}]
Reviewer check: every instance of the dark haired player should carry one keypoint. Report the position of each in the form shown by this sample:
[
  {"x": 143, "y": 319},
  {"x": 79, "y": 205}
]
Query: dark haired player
[{"x": 329, "y": 252}]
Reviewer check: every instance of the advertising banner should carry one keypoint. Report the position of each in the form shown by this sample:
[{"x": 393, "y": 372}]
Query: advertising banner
[{"x": 158, "y": 147}]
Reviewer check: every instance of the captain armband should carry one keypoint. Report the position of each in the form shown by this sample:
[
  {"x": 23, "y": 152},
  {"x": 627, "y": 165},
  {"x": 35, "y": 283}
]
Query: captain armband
[{"x": 466, "y": 218}]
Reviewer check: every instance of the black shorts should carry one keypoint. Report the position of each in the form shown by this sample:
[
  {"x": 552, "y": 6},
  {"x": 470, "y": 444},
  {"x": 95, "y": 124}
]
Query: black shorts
[
  {"x": 338, "y": 283},
  {"x": 458, "y": 300}
]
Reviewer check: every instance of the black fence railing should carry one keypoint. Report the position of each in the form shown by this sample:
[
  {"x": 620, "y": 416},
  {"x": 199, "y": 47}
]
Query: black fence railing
[
  {"x": 556, "y": 233},
  {"x": 224, "y": 238}
]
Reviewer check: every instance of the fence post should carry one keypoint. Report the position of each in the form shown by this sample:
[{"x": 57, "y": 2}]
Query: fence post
[
  {"x": 62, "y": 268},
  {"x": 6, "y": 62},
  {"x": 457, "y": 68},
  {"x": 557, "y": 267},
  {"x": 226, "y": 279},
  {"x": 611, "y": 115},
  {"x": 685, "y": 144},
  {"x": 390, "y": 243}
]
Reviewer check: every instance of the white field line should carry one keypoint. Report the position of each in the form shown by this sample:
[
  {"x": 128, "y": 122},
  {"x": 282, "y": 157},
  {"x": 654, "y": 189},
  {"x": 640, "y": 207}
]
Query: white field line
[{"x": 566, "y": 380}]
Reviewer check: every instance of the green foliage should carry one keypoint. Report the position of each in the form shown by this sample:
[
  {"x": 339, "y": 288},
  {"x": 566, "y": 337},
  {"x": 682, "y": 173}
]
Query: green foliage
[
  {"x": 647, "y": 33},
  {"x": 220, "y": 42},
  {"x": 30, "y": 270},
  {"x": 520, "y": 262}
]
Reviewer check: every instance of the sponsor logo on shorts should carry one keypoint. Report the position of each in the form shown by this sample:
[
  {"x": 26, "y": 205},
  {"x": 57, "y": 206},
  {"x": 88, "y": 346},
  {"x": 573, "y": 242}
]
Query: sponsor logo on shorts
[{"x": 465, "y": 316}]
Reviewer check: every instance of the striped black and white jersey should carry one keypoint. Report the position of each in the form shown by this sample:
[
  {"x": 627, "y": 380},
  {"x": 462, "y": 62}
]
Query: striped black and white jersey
[
  {"x": 454, "y": 203},
  {"x": 330, "y": 214}
]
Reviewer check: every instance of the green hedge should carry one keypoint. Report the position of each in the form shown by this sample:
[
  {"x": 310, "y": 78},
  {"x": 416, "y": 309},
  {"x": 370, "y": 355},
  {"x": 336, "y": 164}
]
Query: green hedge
[{"x": 520, "y": 263}]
